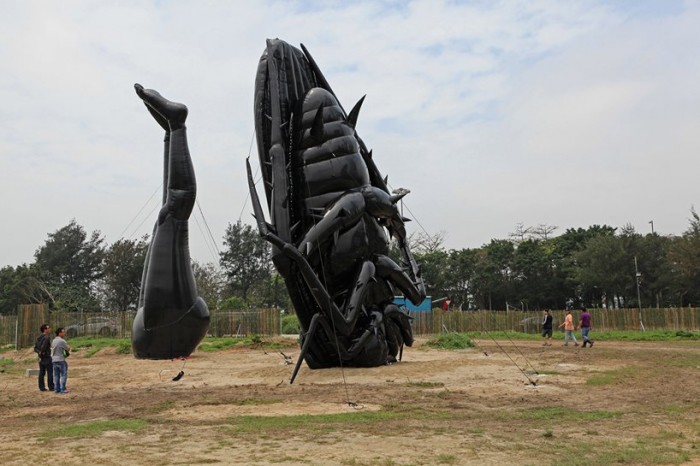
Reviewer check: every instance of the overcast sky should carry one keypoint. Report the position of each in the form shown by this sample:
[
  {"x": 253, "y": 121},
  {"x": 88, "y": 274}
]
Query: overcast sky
[{"x": 492, "y": 113}]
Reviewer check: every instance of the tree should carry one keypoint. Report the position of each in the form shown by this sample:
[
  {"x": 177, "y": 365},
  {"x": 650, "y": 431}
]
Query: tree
[
  {"x": 433, "y": 266},
  {"x": 122, "y": 272},
  {"x": 604, "y": 270},
  {"x": 210, "y": 283},
  {"x": 21, "y": 286},
  {"x": 461, "y": 272},
  {"x": 684, "y": 262},
  {"x": 532, "y": 271},
  {"x": 246, "y": 259},
  {"x": 70, "y": 264},
  {"x": 424, "y": 243},
  {"x": 493, "y": 286}
]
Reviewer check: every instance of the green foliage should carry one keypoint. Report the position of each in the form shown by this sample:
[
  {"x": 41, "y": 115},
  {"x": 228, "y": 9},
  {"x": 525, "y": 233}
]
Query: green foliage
[
  {"x": 210, "y": 283},
  {"x": 450, "y": 341},
  {"x": 122, "y": 269},
  {"x": 232, "y": 303},
  {"x": 124, "y": 347},
  {"x": 69, "y": 263},
  {"x": 22, "y": 285},
  {"x": 245, "y": 260},
  {"x": 290, "y": 324}
]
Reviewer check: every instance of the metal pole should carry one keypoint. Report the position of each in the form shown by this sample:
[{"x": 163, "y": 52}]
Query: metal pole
[
  {"x": 638, "y": 276},
  {"x": 652, "y": 226}
]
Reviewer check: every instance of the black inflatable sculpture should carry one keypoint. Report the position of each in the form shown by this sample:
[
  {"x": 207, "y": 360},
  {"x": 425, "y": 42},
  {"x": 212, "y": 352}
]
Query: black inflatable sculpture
[
  {"x": 329, "y": 207},
  {"x": 171, "y": 319}
]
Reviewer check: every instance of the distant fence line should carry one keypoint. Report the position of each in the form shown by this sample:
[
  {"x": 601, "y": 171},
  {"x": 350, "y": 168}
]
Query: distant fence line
[
  {"x": 21, "y": 329},
  {"x": 439, "y": 321}
]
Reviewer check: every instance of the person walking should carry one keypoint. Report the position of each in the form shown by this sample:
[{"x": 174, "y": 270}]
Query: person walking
[
  {"x": 547, "y": 328},
  {"x": 59, "y": 352},
  {"x": 43, "y": 350},
  {"x": 584, "y": 324},
  {"x": 569, "y": 328}
]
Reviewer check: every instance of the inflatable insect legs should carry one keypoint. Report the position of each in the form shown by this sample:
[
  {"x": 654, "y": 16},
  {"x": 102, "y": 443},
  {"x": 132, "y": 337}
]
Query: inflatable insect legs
[{"x": 171, "y": 319}]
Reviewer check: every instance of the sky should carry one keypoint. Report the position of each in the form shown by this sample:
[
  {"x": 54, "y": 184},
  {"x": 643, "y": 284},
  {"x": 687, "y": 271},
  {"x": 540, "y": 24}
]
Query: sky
[{"x": 493, "y": 114}]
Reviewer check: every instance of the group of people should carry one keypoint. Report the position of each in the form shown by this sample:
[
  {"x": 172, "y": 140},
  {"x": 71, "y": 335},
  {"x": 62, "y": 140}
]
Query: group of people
[
  {"x": 584, "y": 324},
  {"x": 52, "y": 359}
]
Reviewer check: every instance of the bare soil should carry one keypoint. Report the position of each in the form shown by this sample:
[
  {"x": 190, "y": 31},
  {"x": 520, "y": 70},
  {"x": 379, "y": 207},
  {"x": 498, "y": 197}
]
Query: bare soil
[{"x": 500, "y": 403}]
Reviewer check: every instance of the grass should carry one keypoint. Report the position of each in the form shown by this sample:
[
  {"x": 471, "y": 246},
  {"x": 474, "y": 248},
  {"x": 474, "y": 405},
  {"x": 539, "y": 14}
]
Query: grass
[
  {"x": 94, "y": 428},
  {"x": 89, "y": 346},
  {"x": 319, "y": 423},
  {"x": 612, "y": 335},
  {"x": 4, "y": 348},
  {"x": 551, "y": 413},
  {"x": 612, "y": 376},
  {"x": 450, "y": 341},
  {"x": 643, "y": 450},
  {"x": 255, "y": 341},
  {"x": 661, "y": 433},
  {"x": 424, "y": 384}
]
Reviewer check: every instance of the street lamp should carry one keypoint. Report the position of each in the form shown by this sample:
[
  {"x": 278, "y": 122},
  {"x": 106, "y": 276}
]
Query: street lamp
[{"x": 652, "y": 226}]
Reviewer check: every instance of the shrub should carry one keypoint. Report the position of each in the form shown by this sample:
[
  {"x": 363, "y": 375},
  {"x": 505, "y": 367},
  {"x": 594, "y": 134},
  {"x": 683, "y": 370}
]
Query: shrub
[{"x": 290, "y": 324}]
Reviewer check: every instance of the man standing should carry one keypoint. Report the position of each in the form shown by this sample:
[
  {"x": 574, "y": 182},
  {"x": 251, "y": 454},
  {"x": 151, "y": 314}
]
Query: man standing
[
  {"x": 569, "y": 328},
  {"x": 547, "y": 328},
  {"x": 43, "y": 349},
  {"x": 59, "y": 352},
  {"x": 585, "y": 325}
]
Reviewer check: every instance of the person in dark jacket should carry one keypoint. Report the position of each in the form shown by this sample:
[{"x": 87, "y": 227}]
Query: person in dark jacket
[
  {"x": 43, "y": 349},
  {"x": 547, "y": 328}
]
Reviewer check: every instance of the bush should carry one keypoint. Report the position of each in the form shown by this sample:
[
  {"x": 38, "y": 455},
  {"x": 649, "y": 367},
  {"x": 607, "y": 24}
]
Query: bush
[{"x": 290, "y": 324}]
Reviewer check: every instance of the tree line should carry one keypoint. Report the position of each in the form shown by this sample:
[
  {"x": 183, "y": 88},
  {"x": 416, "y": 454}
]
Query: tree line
[{"x": 531, "y": 269}]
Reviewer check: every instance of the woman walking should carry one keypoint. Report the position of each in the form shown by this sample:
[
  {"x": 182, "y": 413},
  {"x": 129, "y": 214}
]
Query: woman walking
[{"x": 569, "y": 328}]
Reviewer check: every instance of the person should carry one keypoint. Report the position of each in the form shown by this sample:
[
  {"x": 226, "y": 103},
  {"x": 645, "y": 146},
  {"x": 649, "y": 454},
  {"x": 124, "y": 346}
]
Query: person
[
  {"x": 43, "y": 349},
  {"x": 569, "y": 328},
  {"x": 59, "y": 352},
  {"x": 584, "y": 324},
  {"x": 547, "y": 328}
]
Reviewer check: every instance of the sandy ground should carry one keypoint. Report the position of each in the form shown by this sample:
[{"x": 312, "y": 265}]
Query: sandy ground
[{"x": 475, "y": 406}]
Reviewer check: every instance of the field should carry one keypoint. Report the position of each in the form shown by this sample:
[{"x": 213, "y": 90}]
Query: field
[{"x": 502, "y": 402}]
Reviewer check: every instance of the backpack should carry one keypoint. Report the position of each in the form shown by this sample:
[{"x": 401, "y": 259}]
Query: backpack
[{"x": 37, "y": 344}]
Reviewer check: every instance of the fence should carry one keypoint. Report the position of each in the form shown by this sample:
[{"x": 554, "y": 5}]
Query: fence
[
  {"x": 603, "y": 320},
  {"x": 240, "y": 323},
  {"x": 20, "y": 330}
]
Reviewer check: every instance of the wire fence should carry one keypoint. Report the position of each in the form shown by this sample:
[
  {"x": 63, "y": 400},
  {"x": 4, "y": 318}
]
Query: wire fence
[{"x": 21, "y": 329}]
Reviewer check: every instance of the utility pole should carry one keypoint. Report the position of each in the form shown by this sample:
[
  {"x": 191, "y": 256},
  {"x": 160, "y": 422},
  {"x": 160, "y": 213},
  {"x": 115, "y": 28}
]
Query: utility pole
[
  {"x": 652, "y": 226},
  {"x": 638, "y": 276}
]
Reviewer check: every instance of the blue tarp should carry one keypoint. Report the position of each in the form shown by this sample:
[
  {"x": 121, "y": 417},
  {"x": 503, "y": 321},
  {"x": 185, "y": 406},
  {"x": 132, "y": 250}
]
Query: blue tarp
[{"x": 425, "y": 306}]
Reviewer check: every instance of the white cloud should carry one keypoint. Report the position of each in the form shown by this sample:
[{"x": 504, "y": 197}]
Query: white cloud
[{"x": 562, "y": 113}]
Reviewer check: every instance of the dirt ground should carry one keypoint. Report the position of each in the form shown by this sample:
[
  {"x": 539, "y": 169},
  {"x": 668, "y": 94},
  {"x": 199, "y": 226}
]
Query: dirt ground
[{"x": 505, "y": 402}]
